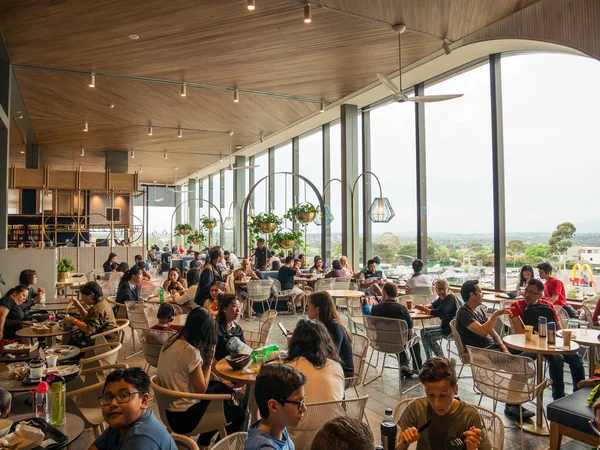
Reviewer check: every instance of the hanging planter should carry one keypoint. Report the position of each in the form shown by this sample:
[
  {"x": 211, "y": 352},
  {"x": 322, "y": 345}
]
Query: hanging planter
[
  {"x": 325, "y": 217},
  {"x": 286, "y": 239},
  {"x": 266, "y": 223},
  {"x": 195, "y": 238},
  {"x": 304, "y": 213},
  {"x": 208, "y": 222},
  {"x": 183, "y": 229}
]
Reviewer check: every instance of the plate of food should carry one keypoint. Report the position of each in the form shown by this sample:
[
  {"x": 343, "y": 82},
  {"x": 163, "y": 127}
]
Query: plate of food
[
  {"x": 17, "y": 348},
  {"x": 40, "y": 328},
  {"x": 62, "y": 351}
]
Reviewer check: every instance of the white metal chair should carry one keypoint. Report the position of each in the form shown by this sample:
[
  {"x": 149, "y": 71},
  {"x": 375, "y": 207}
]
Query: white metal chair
[
  {"x": 323, "y": 284},
  {"x": 259, "y": 291},
  {"x": 462, "y": 351},
  {"x": 279, "y": 294},
  {"x": 184, "y": 443},
  {"x": 341, "y": 283},
  {"x": 354, "y": 313},
  {"x": 319, "y": 413},
  {"x": 152, "y": 342},
  {"x": 505, "y": 318},
  {"x": 562, "y": 315},
  {"x": 424, "y": 290},
  {"x": 494, "y": 427},
  {"x": 234, "y": 441},
  {"x": 212, "y": 419},
  {"x": 360, "y": 347},
  {"x": 256, "y": 339},
  {"x": 136, "y": 313},
  {"x": 390, "y": 337},
  {"x": 505, "y": 378}
]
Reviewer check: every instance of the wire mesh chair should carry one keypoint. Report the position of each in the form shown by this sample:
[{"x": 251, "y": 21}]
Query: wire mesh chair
[
  {"x": 390, "y": 337},
  {"x": 324, "y": 284},
  {"x": 354, "y": 313},
  {"x": 562, "y": 315},
  {"x": 184, "y": 443},
  {"x": 342, "y": 283},
  {"x": 138, "y": 319},
  {"x": 152, "y": 342},
  {"x": 462, "y": 351},
  {"x": 587, "y": 317},
  {"x": 259, "y": 339},
  {"x": 360, "y": 346},
  {"x": 234, "y": 441},
  {"x": 319, "y": 413},
  {"x": 494, "y": 427},
  {"x": 288, "y": 294},
  {"x": 147, "y": 289},
  {"x": 423, "y": 290},
  {"x": 97, "y": 355},
  {"x": 589, "y": 304},
  {"x": 259, "y": 291},
  {"x": 505, "y": 378},
  {"x": 505, "y": 318}
]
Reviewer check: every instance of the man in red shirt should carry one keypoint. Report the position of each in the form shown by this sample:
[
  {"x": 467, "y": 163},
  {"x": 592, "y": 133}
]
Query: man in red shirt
[
  {"x": 554, "y": 290},
  {"x": 532, "y": 293}
]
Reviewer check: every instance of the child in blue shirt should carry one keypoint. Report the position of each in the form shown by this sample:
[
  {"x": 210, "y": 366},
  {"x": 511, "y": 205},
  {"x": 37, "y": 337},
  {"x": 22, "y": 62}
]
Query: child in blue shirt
[{"x": 279, "y": 393}]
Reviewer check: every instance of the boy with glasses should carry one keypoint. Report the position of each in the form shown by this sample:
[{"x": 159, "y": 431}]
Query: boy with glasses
[
  {"x": 279, "y": 393},
  {"x": 132, "y": 425},
  {"x": 527, "y": 312}
]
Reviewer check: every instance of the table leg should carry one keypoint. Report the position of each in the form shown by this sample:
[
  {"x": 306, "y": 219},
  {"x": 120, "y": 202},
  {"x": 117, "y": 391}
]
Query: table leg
[
  {"x": 246, "y": 402},
  {"x": 539, "y": 427},
  {"x": 591, "y": 360}
]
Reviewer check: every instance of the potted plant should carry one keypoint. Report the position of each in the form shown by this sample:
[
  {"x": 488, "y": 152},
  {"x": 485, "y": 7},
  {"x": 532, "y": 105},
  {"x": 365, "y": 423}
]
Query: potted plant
[
  {"x": 208, "y": 222},
  {"x": 304, "y": 213},
  {"x": 284, "y": 240},
  {"x": 183, "y": 229},
  {"x": 266, "y": 222},
  {"x": 195, "y": 238},
  {"x": 64, "y": 269}
]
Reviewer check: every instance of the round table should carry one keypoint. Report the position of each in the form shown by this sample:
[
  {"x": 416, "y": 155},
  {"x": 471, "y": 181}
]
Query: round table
[
  {"x": 587, "y": 338},
  {"x": 179, "y": 321},
  {"x": 12, "y": 384},
  {"x": 50, "y": 334},
  {"x": 224, "y": 371},
  {"x": 344, "y": 293},
  {"x": 72, "y": 428},
  {"x": 19, "y": 357},
  {"x": 55, "y": 304},
  {"x": 540, "y": 347}
]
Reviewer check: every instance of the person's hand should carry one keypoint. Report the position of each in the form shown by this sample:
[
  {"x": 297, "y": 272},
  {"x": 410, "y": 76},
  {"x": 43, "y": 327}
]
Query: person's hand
[
  {"x": 502, "y": 312},
  {"x": 70, "y": 319},
  {"x": 76, "y": 303},
  {"x": 408, "y": 436},
  {"x": 420, "y": 308},
  {"x": 288, "y": 332},
  {"x": 473, "y": 438},
  {"x": 41, "y": 290}
]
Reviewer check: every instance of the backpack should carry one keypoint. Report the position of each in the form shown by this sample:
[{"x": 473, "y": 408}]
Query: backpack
[
  {"x": 534, "y": 312},
  {"x": 367, "y": 304}
]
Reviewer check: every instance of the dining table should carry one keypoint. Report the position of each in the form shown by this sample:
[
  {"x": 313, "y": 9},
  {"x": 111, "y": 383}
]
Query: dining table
[
  {"x": 50, "y": 334},
  {"x": 539, "y": 346},
  {"x": 245, "y": 377},
  {"x": 54, "y": 304},
  {"x": 75, "y": 281},
  {"x": 72, "y": 428},
  {"x": 586, "y": 338}
]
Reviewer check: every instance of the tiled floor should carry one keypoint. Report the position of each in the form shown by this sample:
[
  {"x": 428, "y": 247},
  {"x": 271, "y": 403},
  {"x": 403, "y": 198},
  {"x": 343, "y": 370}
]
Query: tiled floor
[{"x": 383, "y": 393}]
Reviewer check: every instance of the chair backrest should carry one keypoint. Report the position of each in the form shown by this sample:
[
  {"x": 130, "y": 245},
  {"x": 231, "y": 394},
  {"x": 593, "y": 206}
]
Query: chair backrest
[
  {"x": 184, "y": 443},
  {"x": 234, "y": 441},
  {"x": 107, "y": 336},
  {"x": 501, "y": 376},
  {"x": 505, "y": 318},
  {"x": 341, "y": 283},
  {"x": 462, "y": 351},
  {"x": 152, "y": 343},
  {"x": 562, "y": 315},
  {"x": 386, "y": 335},
  {"x": 324, "y": 284},
  {"x": 319, "y": 413},
  {"x": 360, "y": 346},
  {"x": 587, "y": 315},
  {"x": 85, "y": 389},
  {"x": 259, "y": 290},
  {"x": 423, "y": 290},
  {"x": 230, "y": 284},
  {"x": 147, "y": 289},
  {"x": 418, "y": 299},
  {"x": 136, "y": 313},
  {"x": 589, "y": 304},
  {"x": 107, "y": 352},
  {"x": 401, "y": 407}
]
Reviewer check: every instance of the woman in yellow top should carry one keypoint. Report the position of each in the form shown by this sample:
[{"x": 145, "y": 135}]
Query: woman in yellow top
[{"x": 212, "y": 303}]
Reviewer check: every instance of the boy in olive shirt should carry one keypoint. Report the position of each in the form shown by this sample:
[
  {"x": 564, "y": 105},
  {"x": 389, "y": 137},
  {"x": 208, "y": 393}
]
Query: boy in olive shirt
[{"x": 451, "y": 419}]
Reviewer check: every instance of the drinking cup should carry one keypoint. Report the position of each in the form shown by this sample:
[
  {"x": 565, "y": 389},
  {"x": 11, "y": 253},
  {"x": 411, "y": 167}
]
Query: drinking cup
[
  {"x": 409, "y": 304},
  {"x": 566, "y": 335},
  {"x": 51, "y": 360},
  {"x": 528, "y": 332}
]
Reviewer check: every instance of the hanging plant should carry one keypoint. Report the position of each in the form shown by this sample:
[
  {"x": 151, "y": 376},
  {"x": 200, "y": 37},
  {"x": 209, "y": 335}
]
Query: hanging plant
[
  {"x": 183, "y": 229},
  {"x": 208, "y": 222},
  {"x": 285, "y": 240},
  {"x": 195, "y": 238},
  {"x": 266, "y": 223},
  {"x": 304, "y": 213}
]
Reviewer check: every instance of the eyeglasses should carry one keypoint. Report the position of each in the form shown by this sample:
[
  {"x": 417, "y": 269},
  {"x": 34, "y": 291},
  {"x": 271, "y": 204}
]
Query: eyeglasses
[
  {"x": 526, "y": 292},
  {"x": 299, "y": 403},
  {"x": 122, "y": 397}
]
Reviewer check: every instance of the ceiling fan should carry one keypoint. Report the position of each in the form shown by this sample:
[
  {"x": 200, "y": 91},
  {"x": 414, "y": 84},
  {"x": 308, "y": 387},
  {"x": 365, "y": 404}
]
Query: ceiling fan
[
  {"x": 398, "y": 95},
  {"x": 231, "y": 166}
]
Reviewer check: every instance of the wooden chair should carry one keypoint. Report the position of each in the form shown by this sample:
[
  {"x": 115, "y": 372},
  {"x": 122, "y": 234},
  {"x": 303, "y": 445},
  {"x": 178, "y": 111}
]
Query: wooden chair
[
  {"x": 119, "y": 330},
  {"x": 107, "y": 353}
]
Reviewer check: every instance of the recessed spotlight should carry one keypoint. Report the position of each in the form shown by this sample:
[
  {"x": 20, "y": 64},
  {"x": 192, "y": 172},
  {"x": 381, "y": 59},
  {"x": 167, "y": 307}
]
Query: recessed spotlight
[
  {"x": 183, "y": 90},
  {"x": 111, "y": 106},
  {"x": 175, "y": 169},
  {"x": 22, "y": 150},
  {"x": 134, "y": 37},
  {"x": 179, "y": 133},
  {"x": 238, "y": 147},
  {"x": 21, "y": 116}
]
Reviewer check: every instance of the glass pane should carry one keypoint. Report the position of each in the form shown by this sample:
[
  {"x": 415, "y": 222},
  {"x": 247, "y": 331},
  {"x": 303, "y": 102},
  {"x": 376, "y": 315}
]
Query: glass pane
[
  {"x": 335, "y": 188},
  {"x": 459, "y": 178},
  {"x": 283, "y": 183},
  {"x": 216, "y": 200},
  {"x": 311, "y": 167},
  {"x": 551, "y": 161},
  {"x": 261, "y": 193},
  {"x": 228, "y": 210}
]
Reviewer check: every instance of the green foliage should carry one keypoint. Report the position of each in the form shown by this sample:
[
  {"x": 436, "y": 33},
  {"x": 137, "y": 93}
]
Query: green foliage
[
  {"x": 208, "y": 222},
  {"x": 195, "y": 235},
  {"x": 302, "y": 208},
  {"x": 515, "y": 246},
  {"x": 279, "y": 236},
  {"x": 560, "y": 241},
  {"x": 266, "y": 218},
  {"x": 65, "y": 265},
  {"x": 182, "y": 227},
  {"x": 536, "y": 254}
]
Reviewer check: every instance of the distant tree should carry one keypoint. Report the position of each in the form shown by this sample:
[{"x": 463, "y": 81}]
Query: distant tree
[
  {"x": 560, "y": 241},
  {"x": 536, "y": 253},
  {"x": 515, "y": 246}
]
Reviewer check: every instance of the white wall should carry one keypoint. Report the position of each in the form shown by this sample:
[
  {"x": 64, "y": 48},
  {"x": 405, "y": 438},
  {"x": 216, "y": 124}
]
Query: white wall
[{"x": 43, "y": 261}]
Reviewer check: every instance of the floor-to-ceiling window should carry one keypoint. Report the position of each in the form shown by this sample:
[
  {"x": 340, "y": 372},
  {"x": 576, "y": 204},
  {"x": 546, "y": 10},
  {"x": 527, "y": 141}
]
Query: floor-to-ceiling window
[
  {"x": 216, "y": 200},
  {"x": 261, "y": 193},
  {"x": 228, "y": 208},
  {"x": 311, "y": 167},
  {"x": 283, "y": 183},
  {"x": 335, "y": 187},
  {"x": 161, "y": 206},
  {"x": 550, "y": 103},
  {"x": 459, "y": 178},
  {"x": 393, "y": 160}
]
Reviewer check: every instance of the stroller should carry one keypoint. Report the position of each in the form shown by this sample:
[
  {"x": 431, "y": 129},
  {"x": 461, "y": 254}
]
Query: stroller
[{"x": 165, "y": 263}]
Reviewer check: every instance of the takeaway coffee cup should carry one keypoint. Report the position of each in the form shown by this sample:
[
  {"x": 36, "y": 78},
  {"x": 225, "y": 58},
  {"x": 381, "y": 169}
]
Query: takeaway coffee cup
[
  {"x": 566, "y": 335},
  {"x": 528, "y": 332}
]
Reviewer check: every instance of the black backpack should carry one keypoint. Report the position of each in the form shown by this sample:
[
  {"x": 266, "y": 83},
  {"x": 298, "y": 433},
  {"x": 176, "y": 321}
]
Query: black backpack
[{"x": 534, "y": 312}]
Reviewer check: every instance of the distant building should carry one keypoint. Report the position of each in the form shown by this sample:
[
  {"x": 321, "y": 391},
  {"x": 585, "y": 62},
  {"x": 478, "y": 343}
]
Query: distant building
[{"x": 586, "y": 254}]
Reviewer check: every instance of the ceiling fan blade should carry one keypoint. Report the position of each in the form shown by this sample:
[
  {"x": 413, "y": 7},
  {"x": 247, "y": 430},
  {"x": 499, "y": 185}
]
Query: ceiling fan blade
[
  {"x": 434, "y": 98},
  {"x": 387, "y": 82}
]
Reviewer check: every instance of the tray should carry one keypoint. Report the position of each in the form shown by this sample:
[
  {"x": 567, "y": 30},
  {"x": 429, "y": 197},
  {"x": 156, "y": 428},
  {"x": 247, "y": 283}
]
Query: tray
[
  {"x": 29, "y": 382},
  {"x": 63, "y": 351},
  {"x": 20, "y": 351},
  {"x": 49, "y": 431}
]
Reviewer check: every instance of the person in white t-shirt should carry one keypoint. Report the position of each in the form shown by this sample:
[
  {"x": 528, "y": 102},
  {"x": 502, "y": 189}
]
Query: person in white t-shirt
[{"x": 418, "y": 280}]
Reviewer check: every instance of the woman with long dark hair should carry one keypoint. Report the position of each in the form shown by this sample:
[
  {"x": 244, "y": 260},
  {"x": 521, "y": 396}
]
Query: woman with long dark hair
[
  {"x": 525, "y": 275},
  {"x": 322, "y": 309},
  {"x": 318, "y": 267},
  {"x": 28, "y": 277},
  {"x": 11, "y": 314},
  {"x": 175, "y": 282},
  {"x": 210, "y": 272},
  {"x": 312, "y": 351},
  {"x": 128, "y": 289},
  {"x": 112, "y": 258},
  {"x": 185, "y": 364},
  {"x": 230, "y": 309}
]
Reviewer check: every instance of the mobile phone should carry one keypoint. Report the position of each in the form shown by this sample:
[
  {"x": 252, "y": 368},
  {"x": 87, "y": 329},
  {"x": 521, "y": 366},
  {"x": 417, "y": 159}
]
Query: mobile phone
[{"x": 283, "y": 329}]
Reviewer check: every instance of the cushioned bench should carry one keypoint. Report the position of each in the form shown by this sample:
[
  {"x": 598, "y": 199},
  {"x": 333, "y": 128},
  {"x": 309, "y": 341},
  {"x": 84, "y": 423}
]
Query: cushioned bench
[{"x": 570, "y": 416}]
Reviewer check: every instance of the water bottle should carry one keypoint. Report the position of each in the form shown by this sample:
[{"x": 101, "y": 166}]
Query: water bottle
[
  {"x": 542, "y": 327},
  {"x": 58, "y": 400},
  {"x": 389, "y": 430},
  {"x": 551, "y": 333},
  {"x": 41, "y": 401},
  {"x": 43, "y": 298},
  {"x": 161, "y": 295}
]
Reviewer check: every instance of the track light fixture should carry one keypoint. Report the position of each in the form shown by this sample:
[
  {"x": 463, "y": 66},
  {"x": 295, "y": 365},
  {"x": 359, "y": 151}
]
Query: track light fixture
[
  {"x": 322, "y": 108},
  {"x": 150, "y": 130},
  {"x": 179, "y": 132},
  {"x": 251, "y": 5},
  {"x": 132, "y": 153},
  {"x": 85, "y": 126},
  {"x": 183, "y": 90},
  {"x": 165, "y": 155},
  {"x": 82, "y": 153},
  {"x": 446, "y": 46},
  {"x": 92, "y": 82},
  {"x": 22, "y": 150},
  {"x": 141, "y": 169},
  {"x": 307, "y": 13},
  {"x": 236, "y": 96}
]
